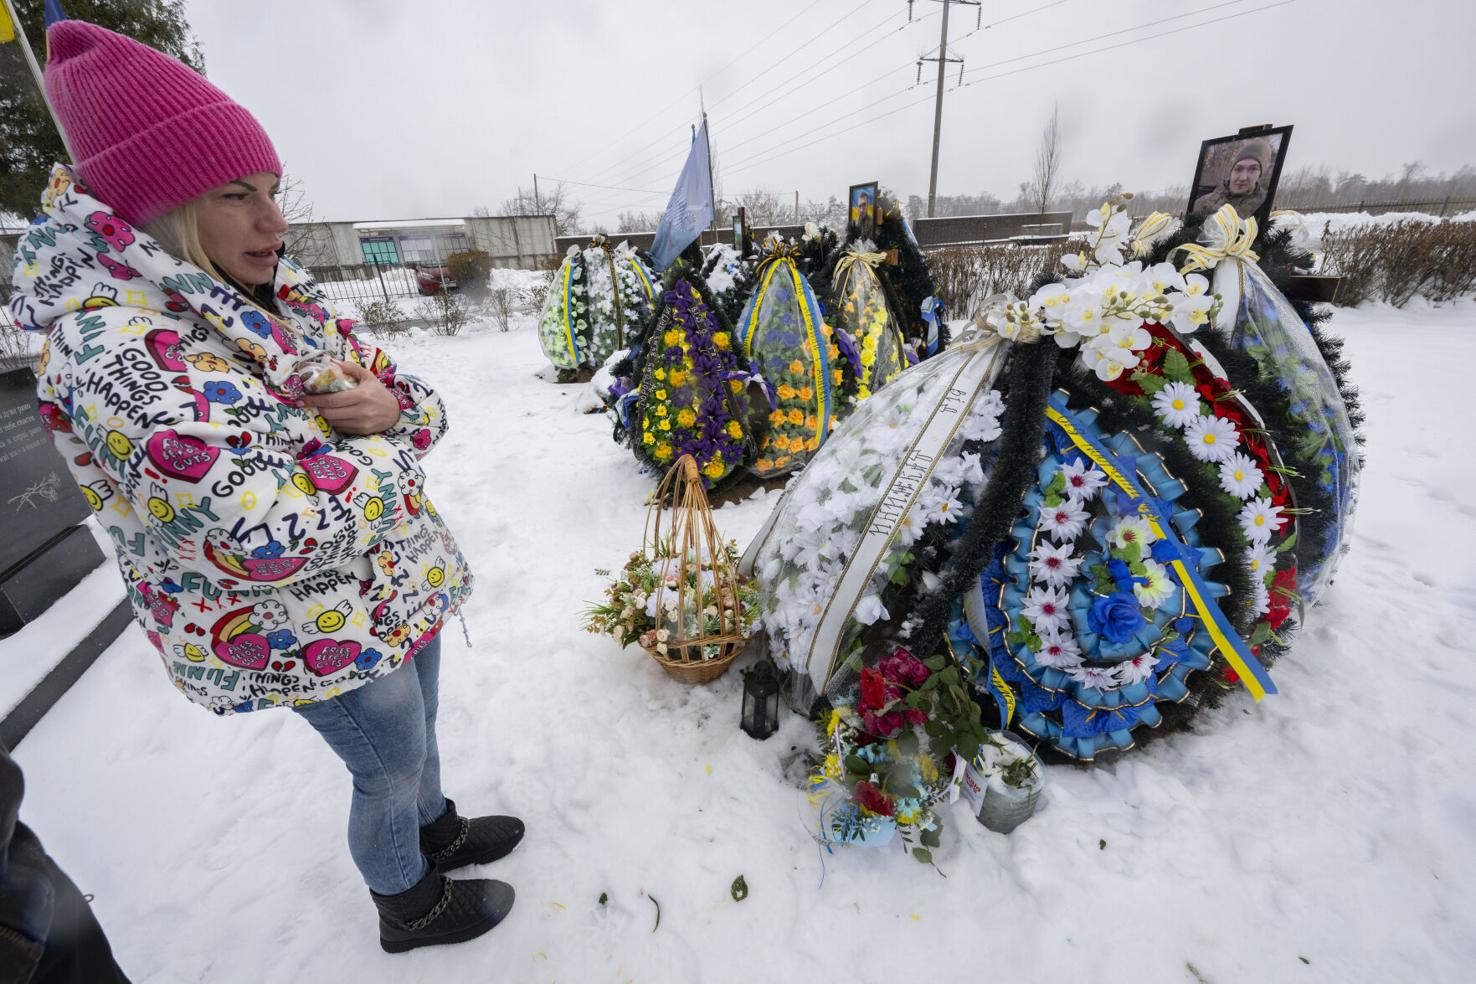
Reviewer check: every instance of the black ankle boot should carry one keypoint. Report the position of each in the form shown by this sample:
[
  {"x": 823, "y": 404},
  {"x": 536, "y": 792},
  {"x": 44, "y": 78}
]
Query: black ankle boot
[
  {"x": 453, "y": 841},
  {"x": 438, "y": 910}
]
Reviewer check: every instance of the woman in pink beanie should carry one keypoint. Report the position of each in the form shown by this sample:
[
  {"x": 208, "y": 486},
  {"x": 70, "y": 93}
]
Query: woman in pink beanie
[{"x": 273, "y": 532}]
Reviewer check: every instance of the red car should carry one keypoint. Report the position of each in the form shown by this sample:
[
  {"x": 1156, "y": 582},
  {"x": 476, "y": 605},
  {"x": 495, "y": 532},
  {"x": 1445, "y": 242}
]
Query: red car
[{"x": 433, "y": 279}]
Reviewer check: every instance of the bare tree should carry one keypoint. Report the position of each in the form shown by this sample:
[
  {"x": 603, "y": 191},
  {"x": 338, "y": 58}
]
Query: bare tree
[
  {"x": 632, "y": 221},
  {"x": 305, "y": 237},
  {"x": 559, "y": 203},
  {"x": 763, "y": 208},
  {"x": 1047, "y": 162}
]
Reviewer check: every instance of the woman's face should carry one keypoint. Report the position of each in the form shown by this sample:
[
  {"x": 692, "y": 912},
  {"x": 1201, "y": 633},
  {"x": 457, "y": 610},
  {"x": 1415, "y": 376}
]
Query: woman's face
[
  {"x": 1244, "y": 175},
  {"x": 241, "y": 228}
]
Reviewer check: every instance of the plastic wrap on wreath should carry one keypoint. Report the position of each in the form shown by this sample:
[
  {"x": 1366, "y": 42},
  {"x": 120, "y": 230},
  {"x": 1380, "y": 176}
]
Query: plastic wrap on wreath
[
  {"x": 691, "y": 398},
  {"x": 563, "y": 325},
  {"x": 1101, "y": 605},
  {"x": 860, "y": 310},
  {"x": 867, "y": 521},
  {"x": 1260, "y": 321},
  {"x": 620, "y": 294},
  {"x": 786, "y": 340}
]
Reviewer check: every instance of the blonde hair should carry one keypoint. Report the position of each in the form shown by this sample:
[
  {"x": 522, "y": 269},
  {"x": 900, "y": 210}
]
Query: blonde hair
[{"x": 178, "y": 231}]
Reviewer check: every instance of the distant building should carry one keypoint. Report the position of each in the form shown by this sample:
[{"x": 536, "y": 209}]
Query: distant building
[{"x": 513, "y": 241}]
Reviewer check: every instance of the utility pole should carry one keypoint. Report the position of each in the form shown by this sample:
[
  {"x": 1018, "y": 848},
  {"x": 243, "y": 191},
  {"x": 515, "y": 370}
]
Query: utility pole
[
  {"x": 796, "y": 208},
  {"x": 537, "y": 203},
  {"x": 942, "y": 59}
]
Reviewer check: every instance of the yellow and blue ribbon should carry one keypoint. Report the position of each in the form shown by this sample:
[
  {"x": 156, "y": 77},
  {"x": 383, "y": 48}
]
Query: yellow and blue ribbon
[{"x": 568, "y": 309}]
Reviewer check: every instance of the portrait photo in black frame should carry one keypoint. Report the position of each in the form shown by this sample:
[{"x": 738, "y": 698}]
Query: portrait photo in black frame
[
  {"x": 861, "y": 211},
  {"x": 1240, "y": 170}
]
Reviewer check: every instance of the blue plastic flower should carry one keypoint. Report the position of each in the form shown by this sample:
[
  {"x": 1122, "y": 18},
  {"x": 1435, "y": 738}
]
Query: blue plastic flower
[
  {"x": 268, "y": 551},
  {"x": 282, "y": 639},
  {"x": 1115, "y": 617}
]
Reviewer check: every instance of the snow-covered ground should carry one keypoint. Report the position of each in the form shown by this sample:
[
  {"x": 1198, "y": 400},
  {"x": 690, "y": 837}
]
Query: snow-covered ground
[{"x": 1327, "y": 834}]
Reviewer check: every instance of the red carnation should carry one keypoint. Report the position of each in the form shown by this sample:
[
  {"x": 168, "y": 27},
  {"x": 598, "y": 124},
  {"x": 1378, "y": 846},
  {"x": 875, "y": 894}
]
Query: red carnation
[
  {"x": 873, "y": 799},
  {"x": 1281, "y": 602},
  {"x": 873, "y": 690}
]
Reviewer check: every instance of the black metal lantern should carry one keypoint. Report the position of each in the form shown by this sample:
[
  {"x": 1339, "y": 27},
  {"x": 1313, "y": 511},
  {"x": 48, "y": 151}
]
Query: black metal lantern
[{"x": 761, "y": 699}]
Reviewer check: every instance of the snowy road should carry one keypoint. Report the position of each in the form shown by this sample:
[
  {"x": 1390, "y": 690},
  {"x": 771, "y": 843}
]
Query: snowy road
[{"x": 1328, "y": 834}]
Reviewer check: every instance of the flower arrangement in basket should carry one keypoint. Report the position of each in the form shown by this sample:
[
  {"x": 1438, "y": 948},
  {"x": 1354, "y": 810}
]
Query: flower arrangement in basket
[{"x": 681, "y": 596}]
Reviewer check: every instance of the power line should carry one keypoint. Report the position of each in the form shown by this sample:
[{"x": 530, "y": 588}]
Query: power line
[
  {"x": 804, "y": 116},
  {"x": 864, "y": 3},
  {"x": 1100, "y": 37},
  {"x": 772, "y": 127},
  {"x": 752, "y": 163},
  {"x": 686, "y": 92},
  {"x": 586, "y": 184},
  {"x": 670, "y": 155},
  {"x": 1125, "y": 44}
]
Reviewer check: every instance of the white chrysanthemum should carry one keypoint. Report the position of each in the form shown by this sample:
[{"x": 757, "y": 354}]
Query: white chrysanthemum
[
  {"x": 1054, "y": 564},
  {"x": 1096, "y": 677},
  {"x": 1211, "y": 438},
  {"x": 940, "y": 505},
  {"x": 1132, "y": 529},
  {"x": 1261, "y": 560},
  {"x": 1176, "y": 404},
  {"x": 981, "y": 425},
  {"x": 909, "y": 528},
  {"x": 973, "y": 469},
  {"x": 1259, "y": 518},
  {"x": 1046, "y": 609},
  {"x": 1240, "y": 476},
  {"x": 870, "y": 610},
  {"x": 1063, "y": 522},
  {"x": 1137, "y": 669},
  {"x": 1261, "y": 598},
  {"x": 1058, "y": 649},
  {"x": 1160, "y": 586},
  {"x": 1082, "y": 480}
]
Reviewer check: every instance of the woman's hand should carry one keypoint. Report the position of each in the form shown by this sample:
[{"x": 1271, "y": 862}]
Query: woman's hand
[{"x": 368, "y": 408}]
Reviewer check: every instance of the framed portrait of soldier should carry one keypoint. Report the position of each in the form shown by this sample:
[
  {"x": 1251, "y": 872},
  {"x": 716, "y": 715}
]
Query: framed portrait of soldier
[
  {"x": 861, "y": 214},
  {"x": 1240, "y": 170}
]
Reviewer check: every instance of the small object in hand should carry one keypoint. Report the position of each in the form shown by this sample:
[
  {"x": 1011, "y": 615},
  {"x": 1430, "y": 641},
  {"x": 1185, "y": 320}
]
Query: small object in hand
[{"x": 320, "y": 374}]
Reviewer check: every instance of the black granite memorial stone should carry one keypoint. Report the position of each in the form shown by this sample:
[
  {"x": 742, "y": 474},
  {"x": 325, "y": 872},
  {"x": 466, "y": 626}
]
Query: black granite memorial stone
[{"x": 43, "y": 550}]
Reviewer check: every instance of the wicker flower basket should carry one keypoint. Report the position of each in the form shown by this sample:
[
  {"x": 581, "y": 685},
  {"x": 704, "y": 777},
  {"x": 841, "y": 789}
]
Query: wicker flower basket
[{"x": 680, "y": 524}]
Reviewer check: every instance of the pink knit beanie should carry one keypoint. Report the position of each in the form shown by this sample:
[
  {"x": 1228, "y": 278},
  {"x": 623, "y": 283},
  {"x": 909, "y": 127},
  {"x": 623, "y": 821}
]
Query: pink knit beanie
[{"x": 148, "y": 131}]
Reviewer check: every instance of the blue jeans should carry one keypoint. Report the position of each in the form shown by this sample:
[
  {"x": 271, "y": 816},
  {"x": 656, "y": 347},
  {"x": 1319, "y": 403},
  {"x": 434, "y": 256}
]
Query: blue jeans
[{"x": 385, "y": 732}]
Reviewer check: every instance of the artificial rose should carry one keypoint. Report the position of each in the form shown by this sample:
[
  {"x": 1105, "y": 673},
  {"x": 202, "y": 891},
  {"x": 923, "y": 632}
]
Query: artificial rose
[
  {"x": 1115, "y": 617},
  {"x": 904, "y": 668},
  {"x": 882, "y": 725},
  {"x": 873, "y": 800}
]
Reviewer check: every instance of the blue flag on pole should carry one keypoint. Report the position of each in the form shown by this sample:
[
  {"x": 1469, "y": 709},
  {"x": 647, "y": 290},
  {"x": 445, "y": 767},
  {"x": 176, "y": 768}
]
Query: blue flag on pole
[
  {"x": 54, "y": 12},
  {"x": 690, "y": 209}
]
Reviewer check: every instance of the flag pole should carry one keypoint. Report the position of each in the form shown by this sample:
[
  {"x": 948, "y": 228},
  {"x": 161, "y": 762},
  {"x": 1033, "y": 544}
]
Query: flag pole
[
  {"x": 20, "y": 35},
  {"x": 711, "y": 188}
]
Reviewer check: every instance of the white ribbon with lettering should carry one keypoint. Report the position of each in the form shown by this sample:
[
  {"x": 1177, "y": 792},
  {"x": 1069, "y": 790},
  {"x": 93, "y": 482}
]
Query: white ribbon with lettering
[{"x": 975, "y": 375}]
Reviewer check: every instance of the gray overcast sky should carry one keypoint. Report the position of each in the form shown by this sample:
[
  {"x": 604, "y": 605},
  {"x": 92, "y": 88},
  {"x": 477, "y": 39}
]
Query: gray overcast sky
[{"x": 433, "y": 107}]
